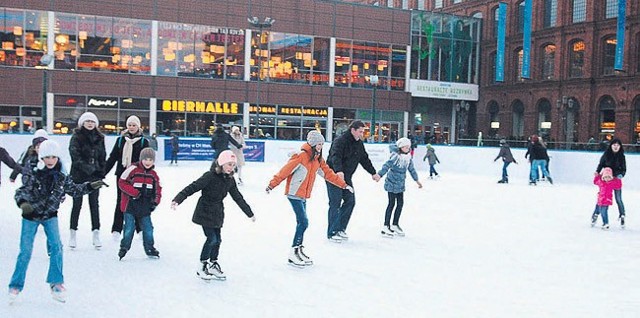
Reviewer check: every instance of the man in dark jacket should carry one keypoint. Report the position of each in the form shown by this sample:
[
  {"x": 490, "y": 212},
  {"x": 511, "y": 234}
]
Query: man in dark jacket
[
  {"x": 220, "y": 141},
  {"x": 507, "y": 159},
  {"x": 346, "y": 152},
  {"x": 539, "y": 158}
]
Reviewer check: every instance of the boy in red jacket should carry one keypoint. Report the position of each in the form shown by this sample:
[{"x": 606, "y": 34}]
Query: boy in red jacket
[
  {"x": 607, "y": 183},
  {"x": 140, "y": 186}
]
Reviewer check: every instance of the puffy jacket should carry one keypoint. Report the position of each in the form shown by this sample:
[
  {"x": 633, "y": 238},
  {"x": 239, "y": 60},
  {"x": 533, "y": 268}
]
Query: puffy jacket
[
  {"x": 215, "y": 185},
  {"x": 396, "y": 170},
  {"x": 88, "y": 155},
  {"x": 45, "y": 189},
  {"x": 431, "y": 156},
  {"x": 605, "y": 194},
  {"x": 141, "y": 190},
  {"x": 116, "y": 153},
  {"x": 346, "y": 153},
  {"x": 301, "y": 171}
]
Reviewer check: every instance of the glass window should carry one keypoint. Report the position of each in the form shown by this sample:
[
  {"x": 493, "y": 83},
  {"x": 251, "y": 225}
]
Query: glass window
[
  {"x": 321, "y": 60},
  {"x": 290, "y": 58},
  {"x": 496, "y": 15},
  {"x": 235, "y": 54},
  {"x": 611, "y": 9},
  {"x": 579, "y": 11},
  {"x": 548, "y": 61},
  {"x": 608, "y": 55},
  {"x": 9, "y": 119},
  {"x": 343, "y": 63},
  {"x": 342, "y": 118},
  {"x": 576, "y": 59},
  {"x": 23, "y": 42},
  {"x": 66, "y": 42},
  {"x": 369, "y": 59},
  {"x": 519, "y": 58},
  {"x": 550, "y": 13},
  {"x": 438, "y": 4},
  {"x": 260, "y": 55},
  {"x": 398, "y": 67},
  {"x": 521, "y": 17}
]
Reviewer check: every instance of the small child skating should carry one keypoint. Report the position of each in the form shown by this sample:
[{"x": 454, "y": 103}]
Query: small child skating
[
  {"x": 43, "y": 189},
  {"x": 396, "y": 170},
  {"x": 300, "y": 173},
  {"x": 141, "y": 189},
  {"x": 606, "y": 184},
  {"x": 433, "y": 159},
  {"x": 215, "y": 184}
]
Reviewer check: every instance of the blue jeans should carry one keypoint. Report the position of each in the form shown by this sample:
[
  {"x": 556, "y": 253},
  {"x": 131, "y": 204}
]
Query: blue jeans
[
  {"x": 505, "y": 176},
  {"x": 300, "y": 209},
  {"x": 432, "y": 170},
  {"x": 538, "y": 163},
  {"x": 211, "y": 247},
  {"x": 27, "y": 236},
  {"x": 603, "y": 210},
  {"x": 618, "y": 195},
  {"x": 341, "y": 204},
  {"x": 144, "y": 222}
]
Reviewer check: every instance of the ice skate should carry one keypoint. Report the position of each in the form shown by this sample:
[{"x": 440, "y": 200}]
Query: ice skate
[
  {"x": 307, "y": 260},
  {"x": 13, "y": 294},
  {"x": 152, "y": 253},
  {"x": 397, "y": 230},
  {"x": 295, "y": 259},
  {"x": 115, "y": 236},
  {"x": 621, "y": 218},
  {"x": 203, "y": 271},
  {"x": 550, "y": 180},
  {"x": 386, "y": 232},
  {"x": 59, "y": 293},
  {"x": 96, "y": 239},
  {"x": 335, "y": 238},
  {"x": 343, "y": 235},
  {"x": 594, "y": 218},
  {"x": 605, "y": 226},
  {"x": 215, "y": 270},
  {"x": 72, "y": 239}
]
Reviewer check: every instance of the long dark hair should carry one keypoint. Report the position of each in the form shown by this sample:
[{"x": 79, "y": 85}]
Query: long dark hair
[{"x": 610, "y": 152}]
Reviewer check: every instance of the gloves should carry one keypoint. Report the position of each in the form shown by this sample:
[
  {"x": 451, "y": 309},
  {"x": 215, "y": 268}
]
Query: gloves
[
  {"x": 27, "y": 209},
  {"x": 350, "y": 188},
  {"x": 619, "y": 176},
  {"x": 95, "y": 185},
  {"x": 268, "y": 189}
]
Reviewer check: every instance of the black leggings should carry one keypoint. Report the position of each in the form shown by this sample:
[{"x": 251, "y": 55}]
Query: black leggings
[{"x": 393, "y": 198}]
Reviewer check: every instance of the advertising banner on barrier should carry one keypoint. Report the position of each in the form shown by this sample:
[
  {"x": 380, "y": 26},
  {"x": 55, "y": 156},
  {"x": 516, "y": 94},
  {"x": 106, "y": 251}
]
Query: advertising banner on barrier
[{"x": 200, "y": 149}]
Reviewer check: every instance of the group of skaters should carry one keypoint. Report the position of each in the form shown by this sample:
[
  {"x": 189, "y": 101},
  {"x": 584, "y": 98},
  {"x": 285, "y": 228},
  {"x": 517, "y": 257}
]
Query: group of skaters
[{"x": 608, "y": 176}]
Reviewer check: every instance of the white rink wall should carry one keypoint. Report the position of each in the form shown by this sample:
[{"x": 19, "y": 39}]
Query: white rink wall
[{"x": 572, "y": 167}]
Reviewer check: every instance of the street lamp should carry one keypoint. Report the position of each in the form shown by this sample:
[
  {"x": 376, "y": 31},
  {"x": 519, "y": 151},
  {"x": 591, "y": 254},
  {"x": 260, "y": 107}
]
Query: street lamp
[
  {"x": 45, "y": 61},
  {"x": 267, "y": 23},
  {"x": 373, "y": 79}
]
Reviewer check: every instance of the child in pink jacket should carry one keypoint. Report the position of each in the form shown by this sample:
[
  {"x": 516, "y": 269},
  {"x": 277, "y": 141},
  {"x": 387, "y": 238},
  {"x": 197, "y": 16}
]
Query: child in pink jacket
[{"x": 606, "y": 184}]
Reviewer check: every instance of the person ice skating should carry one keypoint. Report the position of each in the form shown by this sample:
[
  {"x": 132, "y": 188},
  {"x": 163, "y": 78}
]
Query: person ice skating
[
  {"x": 396, "y": 170},
  {"x": 39, "y": 197},
  {"x": 88, "y": 159},
  {"x": 614, "y": 158},
  {"x": 539, "y": 158},
  {"x": 300, "y": 173},
  {"x": 433, "y": 159},
  {"x": 153, "y": 142},
  {"x": 236, "y": 134},
  {"x": 507, "y": 159},
  {"x": 29, "y": 158},
  {"x": 346, "y": 153},
  {"x": 141, "y": 189},
  {"x": 175, "y": 147},
  {"x": 125, "y": 151},
  {"x": 215, "y": 184},
  {"x": 220, "y": 141},
  {"x": 6, "y": 158},
  {"x": 607, "y": 184}
]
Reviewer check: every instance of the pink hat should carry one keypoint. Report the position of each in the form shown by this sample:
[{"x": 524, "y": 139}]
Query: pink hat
[
  {"x": 607, "y": 172},
  {"x": 226, "y": 157}
]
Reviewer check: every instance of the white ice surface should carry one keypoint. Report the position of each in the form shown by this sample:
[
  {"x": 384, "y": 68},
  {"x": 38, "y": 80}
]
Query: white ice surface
[{"x": 473, "y": 248}]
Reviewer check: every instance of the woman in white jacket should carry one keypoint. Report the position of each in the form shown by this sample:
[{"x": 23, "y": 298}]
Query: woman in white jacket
[{"x": 236, "y": 134}]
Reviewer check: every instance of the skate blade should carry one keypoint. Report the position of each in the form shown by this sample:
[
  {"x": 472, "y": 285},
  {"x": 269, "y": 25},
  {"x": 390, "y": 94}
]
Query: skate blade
[
  {"x": 153, "y": 257},
  {"x": 385, "y": 235},
  {"x": 60, "y": 300},
  {"x": 297, "y": 265}
]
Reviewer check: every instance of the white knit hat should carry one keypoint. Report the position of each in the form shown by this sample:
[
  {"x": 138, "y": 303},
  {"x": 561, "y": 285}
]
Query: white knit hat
[
  {"x": 49, "y": 148},
  {"x": 314, "y": 138},
  {"x": 133, "y": 119},
  {"x": 41, "y": 133},
  {"x": 403, "y": 142},
  {"x": 88, "y": 116}
]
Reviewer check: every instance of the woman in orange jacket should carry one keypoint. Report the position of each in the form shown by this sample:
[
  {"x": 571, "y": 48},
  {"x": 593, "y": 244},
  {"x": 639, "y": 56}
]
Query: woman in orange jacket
[{"x": 300, "y": 173}]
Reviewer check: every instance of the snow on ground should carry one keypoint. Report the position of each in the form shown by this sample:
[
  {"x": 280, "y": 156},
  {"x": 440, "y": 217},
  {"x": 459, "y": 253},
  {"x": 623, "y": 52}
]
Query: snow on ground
[{"x": 473, "y": 248}]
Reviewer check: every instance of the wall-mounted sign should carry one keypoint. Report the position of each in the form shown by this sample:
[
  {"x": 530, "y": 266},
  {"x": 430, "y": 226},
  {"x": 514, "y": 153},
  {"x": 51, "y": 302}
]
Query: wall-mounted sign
[
  {"x": 495, "y": 124},
  {"x": 263, "y": 109},
  {"x": 545, "y": 125},
  {"x": 200, "y": 107},
  {"x": 94, "y": 101},
  {"x": 307, "y": 111},
  {"x": 443, "y": 90}
]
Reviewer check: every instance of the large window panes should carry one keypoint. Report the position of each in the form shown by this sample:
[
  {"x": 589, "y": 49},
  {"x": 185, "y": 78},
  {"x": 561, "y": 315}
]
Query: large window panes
[
  {"x": 370, "y": 58},
  {"x": 321, "y": 60},
  {"x": 548, "y": 62},
  {"x": 608, "y": 55},
  {"x": 259, "y": 61},
  {"x": 24, "y": 37},
  {"x": 550, "y": 13},
  {"x": 611, "y": 9},
  {"x": 519, "y": 59},
  {"x": 579, "y": 11},
  {"x": 106, "y": 44},
  {"x": 398, "y": 67},
  {"x": 290, "y": 58},
  {"x": 576, "y": 59},
  {"x": 445, "y": 47},
  {"x": 200, "y": 51},
  {"x": 343, "y": 63},
  {"x": 521, "y": 16}
]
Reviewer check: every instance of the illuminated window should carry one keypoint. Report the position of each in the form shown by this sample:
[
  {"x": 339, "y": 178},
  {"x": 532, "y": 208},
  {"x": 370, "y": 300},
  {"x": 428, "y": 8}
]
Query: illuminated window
[
  {"x": 608, "y": 55},
  {"x": 548, "y": 62},
  {"x": 576, "y": 59}
]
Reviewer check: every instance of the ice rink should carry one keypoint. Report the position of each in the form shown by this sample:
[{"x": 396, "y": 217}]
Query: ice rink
[{"x": 473, "y": 248}]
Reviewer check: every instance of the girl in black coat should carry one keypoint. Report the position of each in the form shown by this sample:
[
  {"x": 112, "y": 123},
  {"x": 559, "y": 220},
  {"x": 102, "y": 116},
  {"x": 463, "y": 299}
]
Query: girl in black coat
[
  {"x": 215, "y": 184},
  {"x": 127, "y": 147},
  {"x": 88, "y": 159},
  {"x": 614, "y": 158}
]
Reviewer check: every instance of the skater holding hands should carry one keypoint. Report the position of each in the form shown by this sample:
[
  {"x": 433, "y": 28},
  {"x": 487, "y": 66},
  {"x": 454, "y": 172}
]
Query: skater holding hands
[
  {"x": 215, "y": 184},
  {"x": 300, "y": 173},
  {"x": 396, "y": 170},
  {"x": 606, "y": 183}
]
